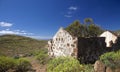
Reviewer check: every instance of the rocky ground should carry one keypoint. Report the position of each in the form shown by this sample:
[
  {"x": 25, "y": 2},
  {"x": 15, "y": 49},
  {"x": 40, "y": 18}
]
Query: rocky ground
[{"x": 36, "y": 65}]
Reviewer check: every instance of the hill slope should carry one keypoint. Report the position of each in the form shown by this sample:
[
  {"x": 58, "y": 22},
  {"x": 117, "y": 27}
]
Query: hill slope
[
  {"x": 11, "y": 45},
  {"x": 118, "y": 32}
]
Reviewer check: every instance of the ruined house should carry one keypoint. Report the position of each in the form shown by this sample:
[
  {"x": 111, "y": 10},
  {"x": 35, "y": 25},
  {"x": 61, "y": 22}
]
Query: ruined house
[
  {"x": 86, "y": 49},
  {"x": 62, "y": 44},
  {"x": 110, "y": 38}
]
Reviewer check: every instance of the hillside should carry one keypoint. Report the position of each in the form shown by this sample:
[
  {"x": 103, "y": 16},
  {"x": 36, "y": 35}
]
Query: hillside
[
  {"x": 11, "y": 45},
  {"x": 118, "y": 32}
]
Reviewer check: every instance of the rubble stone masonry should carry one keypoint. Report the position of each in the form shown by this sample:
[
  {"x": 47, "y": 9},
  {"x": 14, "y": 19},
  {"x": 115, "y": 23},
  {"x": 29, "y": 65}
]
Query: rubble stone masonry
[{"x": 87, "y": 50}]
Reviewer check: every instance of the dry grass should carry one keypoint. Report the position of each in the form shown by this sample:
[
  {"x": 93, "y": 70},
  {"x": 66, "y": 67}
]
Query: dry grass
[{"x": 11, "y": 45}]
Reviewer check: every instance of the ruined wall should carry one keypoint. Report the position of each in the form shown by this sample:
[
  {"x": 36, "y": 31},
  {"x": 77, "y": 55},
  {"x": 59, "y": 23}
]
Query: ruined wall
[
  {"x": 63, "y": 44},
  {"x": 109, "y": 38},
  {"x": 116, "y": 46},
  {"x": 89, "y": 49}
]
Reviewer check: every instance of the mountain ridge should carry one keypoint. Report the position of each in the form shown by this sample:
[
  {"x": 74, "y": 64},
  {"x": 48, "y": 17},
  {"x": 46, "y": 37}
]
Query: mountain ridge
[{"x": 11, "y": 45}]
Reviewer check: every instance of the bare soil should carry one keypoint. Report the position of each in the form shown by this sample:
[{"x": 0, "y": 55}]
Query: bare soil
[{"x": 36, "y": 65}]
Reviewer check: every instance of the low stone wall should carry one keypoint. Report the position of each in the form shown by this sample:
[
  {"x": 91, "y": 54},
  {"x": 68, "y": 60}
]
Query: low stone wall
[
  {"x": 99, "y": 66},
  {"x": 116, "y": 46},
  {"x": 89, "y": 49}
]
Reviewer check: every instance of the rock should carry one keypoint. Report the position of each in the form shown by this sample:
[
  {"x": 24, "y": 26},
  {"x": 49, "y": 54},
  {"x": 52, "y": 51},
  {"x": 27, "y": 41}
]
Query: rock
[
  {"x": 108, "y": 69},
  {"x": 99, "y": 66},
  {"x": 10, "y": 70},
  {"x": 117, "y": 70}
]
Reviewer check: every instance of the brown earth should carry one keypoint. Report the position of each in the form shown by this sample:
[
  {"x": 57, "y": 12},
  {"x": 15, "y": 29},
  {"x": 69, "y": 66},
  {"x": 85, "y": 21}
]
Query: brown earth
[{"x": 36, "y": 65}]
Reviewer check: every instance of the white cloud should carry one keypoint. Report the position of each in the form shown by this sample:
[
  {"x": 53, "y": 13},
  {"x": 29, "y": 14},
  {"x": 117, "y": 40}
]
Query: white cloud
[
  {"x": 17, "y": 32},
  {"x": 23, "y": 33},
  {"x": 9, "y": 31},
  {"x": 6, "y": 32},
  {"x": 73, "y": 8},
  {"x": 68, "y": 16},
  {"x": 40, "y": 37},
  {"x": 5, "y": 24},
  {"x": 71, "y": 11}
]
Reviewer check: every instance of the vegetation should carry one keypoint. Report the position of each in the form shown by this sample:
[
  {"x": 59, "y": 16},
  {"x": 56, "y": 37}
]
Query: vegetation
[
  {"x": 111, "y": 59},
  {"x": 18, "y": 65},
  {"x": 64, "y": 64},
  {"x": 22, "y": 65},
  {"x": 14, "y": 45},
  {"x": 117, "y": 32},
  {"x": 88, "y": 68},
  {"x": 6, "y": 63},
  {"x": 75, "y": 29},
  {"x": 94, "y": 30},
  {"x": 14, "y": 48},
  {"x": 89, "y": 29},
  {"x": 88, "y": 21},
  {"x": 42, "y": 56}
]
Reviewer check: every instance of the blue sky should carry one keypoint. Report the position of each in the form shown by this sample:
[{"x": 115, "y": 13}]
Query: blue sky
[{"x": 42, "y": 18}]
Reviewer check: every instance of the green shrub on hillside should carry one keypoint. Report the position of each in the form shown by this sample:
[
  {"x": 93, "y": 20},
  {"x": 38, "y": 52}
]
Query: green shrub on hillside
[
  {"x": 111, "y": 59},
  {"x": 64, "y": 64},
  {"x": 6, "y": 63},
  {"x": 42, "y": 56},
  {"x": 88, "y": 68},
  {"x": 23, "y": 65},
  {"x": 42, "y": 50},
  {"x": 18, "y": 65},
  {"x": 12, "y": 45}
]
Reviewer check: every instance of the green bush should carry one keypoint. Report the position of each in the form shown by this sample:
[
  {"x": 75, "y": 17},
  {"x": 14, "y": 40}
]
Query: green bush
[
  {"x": 18, "y": 65},
  {"x": 42, "y": 56},
  {"x": 111, "y": 59},
  {"x": 64, "y": 64},
  {"x": 88, "y": 68},
  {"x": 42, "y": 50},
  {"x": 6, "y": 63},
  {"x": 22, "y": 65}
]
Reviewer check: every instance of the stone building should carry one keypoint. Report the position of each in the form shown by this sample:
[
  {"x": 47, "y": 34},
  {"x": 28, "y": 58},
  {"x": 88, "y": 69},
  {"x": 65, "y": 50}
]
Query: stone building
[
  {"x": 87, "y": 49},
  {"x": 110, "y": 38},
  {"x": 62, "y": 44}
]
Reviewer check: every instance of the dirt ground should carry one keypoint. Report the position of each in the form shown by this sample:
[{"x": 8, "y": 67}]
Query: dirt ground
[{"x": 36, "y": 66}]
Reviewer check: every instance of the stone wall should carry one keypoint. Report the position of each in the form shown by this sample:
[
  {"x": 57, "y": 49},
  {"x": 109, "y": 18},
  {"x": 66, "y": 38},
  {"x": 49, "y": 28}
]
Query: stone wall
[
  {"x": 89, "y": 49},
  {"x": 110, "y": 37},
  {"x": 62, "y": 44},
  {"x": 99, "y": 66},
  {"x": 116, "y": 46}
]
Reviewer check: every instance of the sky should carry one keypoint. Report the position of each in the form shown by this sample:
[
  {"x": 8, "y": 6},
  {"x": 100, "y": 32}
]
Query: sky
[{"x": 41, "y": 19}]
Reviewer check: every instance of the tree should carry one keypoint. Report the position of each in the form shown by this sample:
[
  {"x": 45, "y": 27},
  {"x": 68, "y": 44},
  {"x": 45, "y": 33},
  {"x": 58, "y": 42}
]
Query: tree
[
  {"x": 88, "y": 21},
  {"x": 84, "y": 30},
  {"x": 75, "y": 28},
  {"x": 94, "y": 30}
]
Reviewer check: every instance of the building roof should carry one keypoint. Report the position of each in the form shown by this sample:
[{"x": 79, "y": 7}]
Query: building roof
[{"x": 112, "y": 33}]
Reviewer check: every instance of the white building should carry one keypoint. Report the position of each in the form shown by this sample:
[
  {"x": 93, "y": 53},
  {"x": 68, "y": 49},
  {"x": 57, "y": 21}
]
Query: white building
[
  {"x": 63, "y": 44},
  {"x": 110, "y": 38}
]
